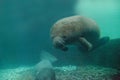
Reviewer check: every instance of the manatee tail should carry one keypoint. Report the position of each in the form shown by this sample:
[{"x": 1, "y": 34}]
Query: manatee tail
[{"x": 44, "y": 55}]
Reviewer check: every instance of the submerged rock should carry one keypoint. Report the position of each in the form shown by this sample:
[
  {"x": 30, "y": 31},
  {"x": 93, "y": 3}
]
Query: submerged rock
[
  {"x": 107, "y": 54},
  {"x": 88, "y": 72}
]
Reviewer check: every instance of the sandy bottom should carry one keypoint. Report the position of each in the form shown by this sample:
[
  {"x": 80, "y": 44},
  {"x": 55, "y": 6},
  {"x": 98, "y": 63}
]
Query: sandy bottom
[{"x": 63, "y": 73}]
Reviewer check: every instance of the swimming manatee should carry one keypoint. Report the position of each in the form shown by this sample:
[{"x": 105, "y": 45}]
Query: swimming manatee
[
  {"x": 42, "y": 70},
  {"x": 76, "y": 30}
]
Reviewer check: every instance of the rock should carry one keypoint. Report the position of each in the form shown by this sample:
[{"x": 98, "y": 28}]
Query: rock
[{"x": 106, "y": 55}]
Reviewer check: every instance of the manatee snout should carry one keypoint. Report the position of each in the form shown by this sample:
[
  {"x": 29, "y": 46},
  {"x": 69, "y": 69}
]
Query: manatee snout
[{"x": 59, "y": 43}]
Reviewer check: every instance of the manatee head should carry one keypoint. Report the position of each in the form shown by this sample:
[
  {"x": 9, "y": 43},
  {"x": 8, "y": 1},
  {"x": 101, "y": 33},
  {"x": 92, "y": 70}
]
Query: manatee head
[{"x": 60, "y": 43}]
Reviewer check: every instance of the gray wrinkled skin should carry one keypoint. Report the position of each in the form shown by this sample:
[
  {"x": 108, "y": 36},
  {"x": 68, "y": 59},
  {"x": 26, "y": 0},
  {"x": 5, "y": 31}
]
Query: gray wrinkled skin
[{"x": 44, "y": 69}]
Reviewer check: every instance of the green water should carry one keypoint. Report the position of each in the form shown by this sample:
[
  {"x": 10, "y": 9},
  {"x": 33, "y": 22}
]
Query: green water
[
  {"x": 25, "y": 27},
  {"x": 105, "y": 12},
  {"x": 25, "y": 32}
]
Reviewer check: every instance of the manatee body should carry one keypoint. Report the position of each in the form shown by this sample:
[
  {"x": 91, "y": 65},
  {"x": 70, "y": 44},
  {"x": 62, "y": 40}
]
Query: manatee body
[
  {"x": 44, "y": 70},
  {"x": 76, "y": 30}
]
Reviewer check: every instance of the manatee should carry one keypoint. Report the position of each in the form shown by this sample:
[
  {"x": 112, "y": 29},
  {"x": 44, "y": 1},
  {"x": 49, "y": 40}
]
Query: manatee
[
  {"x": 76, "y": 30},
  {"x": 43, "y": 70}
]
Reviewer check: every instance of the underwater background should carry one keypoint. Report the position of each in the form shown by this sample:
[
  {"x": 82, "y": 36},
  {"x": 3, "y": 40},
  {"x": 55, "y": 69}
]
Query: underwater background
[
  {"x": 25, "y": 31},
  {"x": 25, "y": 27}
]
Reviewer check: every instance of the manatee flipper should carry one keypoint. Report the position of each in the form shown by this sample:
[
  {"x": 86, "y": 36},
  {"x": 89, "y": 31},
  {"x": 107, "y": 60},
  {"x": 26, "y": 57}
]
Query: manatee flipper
[
  {"x": 85, "y": 44},
  {"x": 59, "y": 43}
]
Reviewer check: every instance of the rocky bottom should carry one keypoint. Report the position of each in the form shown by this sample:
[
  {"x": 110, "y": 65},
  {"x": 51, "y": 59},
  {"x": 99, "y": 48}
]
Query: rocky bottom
[{"x": 64, "y": 73}]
